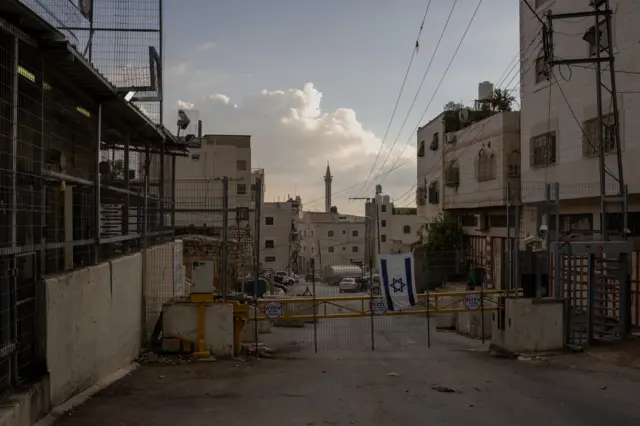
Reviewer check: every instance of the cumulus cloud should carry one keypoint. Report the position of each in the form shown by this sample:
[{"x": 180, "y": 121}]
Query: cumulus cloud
[{"x": 293, "y": 138}]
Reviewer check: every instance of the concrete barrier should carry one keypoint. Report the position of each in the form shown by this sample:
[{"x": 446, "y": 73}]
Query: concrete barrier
[{"x": 92, "y": 325}]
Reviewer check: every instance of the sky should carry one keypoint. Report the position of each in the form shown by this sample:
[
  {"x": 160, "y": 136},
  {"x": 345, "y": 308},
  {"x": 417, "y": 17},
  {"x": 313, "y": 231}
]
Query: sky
[{"x": 316, "y": 82}]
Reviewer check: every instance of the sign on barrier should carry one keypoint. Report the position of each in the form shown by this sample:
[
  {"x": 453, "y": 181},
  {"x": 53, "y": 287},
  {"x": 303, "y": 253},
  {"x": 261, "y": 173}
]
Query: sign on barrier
[
  {"x": 273, "y": 310},
  {"x": 378, "y": 307},
  {"x": 472, "y": 301}
]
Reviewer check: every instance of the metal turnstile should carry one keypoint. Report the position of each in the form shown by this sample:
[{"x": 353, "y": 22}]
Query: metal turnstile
[{"x": 594, "y": 281}]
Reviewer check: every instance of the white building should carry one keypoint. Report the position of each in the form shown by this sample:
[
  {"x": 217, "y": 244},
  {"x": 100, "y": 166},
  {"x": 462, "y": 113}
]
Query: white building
[
  {"x": 279, "y": 235},
  {"x": 330, "y": 238},
  {"x": 554, "y": 148},
  {"x": 391, "y": 229}
]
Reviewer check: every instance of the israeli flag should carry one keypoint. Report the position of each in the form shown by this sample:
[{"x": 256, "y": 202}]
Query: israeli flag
[{"x": 398, "y": 280}]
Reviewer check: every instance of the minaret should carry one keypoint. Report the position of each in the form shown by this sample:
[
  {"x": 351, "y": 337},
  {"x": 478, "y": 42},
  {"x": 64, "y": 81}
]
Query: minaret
[{"x": 327, "y": 189}]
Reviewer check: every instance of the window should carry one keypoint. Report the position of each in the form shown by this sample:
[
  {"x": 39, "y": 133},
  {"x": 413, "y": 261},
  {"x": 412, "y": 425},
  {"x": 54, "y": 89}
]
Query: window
[
  {"x": 330, "y": 249},
  {"x": 421, "y": 149},
  {"x": 501, "y": 220},
  {"x": 590, "y": 142},
  {"x": 343, "y": 248},
  {"x": 435, "y": 141},
  {"x": 354, "y": 234},
  {"x": 406, "y": 229},
  {"x": 241, "y": 189},
  {"x": 268, "y": 220},
  {"x": 543, "y": 150},
  {"x": 269, "y": 259},
  {"x": 241, "y": 165},
  {"x": 542, "y": 70},
  {"x": 354, "y": 249},
  {"x": 485, "y": 166},
  {"x": 269, "y": 244},
  {"x": 330, "y": 234},
  {"x": 383, "y": 208},
  {"x": 469, "y": 220},
  {"x": 344, "y": 232},
  {"x": 590, "y": 37},
  {"x": 383, "y": 223},
  {"x": 452, "y": 174},
  {"x": 434, "y": 193},
  {"x": 383, "y": 238},
  {"x": 195, "y": 157}
]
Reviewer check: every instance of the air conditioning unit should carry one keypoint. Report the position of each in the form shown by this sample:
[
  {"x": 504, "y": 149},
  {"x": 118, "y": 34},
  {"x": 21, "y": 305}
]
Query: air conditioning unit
[
  {"x": 482, "y": 222},
  {"x": 450, "y": 138}
]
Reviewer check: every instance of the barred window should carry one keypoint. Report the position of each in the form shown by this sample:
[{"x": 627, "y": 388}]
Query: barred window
[
  {"x": 434, "y": 194},
  {"x": 421, "y": 196},
  {"x": 421, "y": 149},
  {"x": 485, "y": 166},
  {"x": 452, "y": 174},
  {"x": 590, "y": 141},
  {"x": 513, "y": 164},
  {"x": 543, "y": 150}
]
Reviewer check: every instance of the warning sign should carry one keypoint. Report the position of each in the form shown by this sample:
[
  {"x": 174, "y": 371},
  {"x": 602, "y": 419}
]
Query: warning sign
[
  {"x": 473, "y": 301},
  {"x": 378, "y": 307},
  {"x": 273, "y": 310}
]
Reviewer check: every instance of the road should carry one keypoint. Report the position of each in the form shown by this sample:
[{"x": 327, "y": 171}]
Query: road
[{"x": 402, "y": 382}]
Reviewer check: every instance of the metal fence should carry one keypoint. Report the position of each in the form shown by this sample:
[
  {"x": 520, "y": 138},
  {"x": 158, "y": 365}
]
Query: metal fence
[{"x": 84, "y": 177}]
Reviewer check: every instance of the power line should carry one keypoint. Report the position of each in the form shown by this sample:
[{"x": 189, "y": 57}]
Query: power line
[
  {"x": 424, "y": 76},
  {"x": 455, "y": 53},
  {"x": 395, "y": 108},
  {"x": 544, "y": 25}
]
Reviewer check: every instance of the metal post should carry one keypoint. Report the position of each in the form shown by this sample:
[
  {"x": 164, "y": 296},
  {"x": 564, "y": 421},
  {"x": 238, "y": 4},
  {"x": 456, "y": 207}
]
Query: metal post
[
  {"x": 516, "y": 248},
  {"x": 97, "y": 186},
  {"x": 127, "y": 202},
  {"x": 14, "y": 145},
  {"x": 145, "y": 239},
  {"x": 225, "y": 236},
  {"x": 601, "y": 153},
  {"x": 557, "y": 281},
  {"x": 161, "y": 190},
  {"x": 373, "y": 333},
  {"x": 173, "y": 193},
  {"x": 43, "y": 189},
  {"x": 256, "y": 276},
  {"x": 509, "y": 256},
  {"x": 315, "y": 307}
]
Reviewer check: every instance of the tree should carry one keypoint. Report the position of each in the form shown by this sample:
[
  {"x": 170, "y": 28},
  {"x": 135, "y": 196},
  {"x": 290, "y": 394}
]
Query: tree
[
  {"x": 453, "y": 106},
  {"x": 443, "y": 235},
  {"x": 501, "y": 100}
]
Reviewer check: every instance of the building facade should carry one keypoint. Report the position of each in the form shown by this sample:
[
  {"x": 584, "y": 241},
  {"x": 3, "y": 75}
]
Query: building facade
[
  {"x": 330, "y": 239},
  {"x": 279, "y": 235},
  {"x": 559, "y": 111}
]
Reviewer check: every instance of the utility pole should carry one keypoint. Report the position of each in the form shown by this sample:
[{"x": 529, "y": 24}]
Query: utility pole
[{"x": 599, "y": 33}]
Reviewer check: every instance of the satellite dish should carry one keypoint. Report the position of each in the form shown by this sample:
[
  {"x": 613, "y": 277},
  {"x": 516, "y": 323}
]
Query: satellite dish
[{"x": 463, "y": 115}]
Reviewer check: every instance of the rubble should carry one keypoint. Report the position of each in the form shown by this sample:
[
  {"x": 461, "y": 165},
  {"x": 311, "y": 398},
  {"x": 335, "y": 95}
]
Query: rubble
[{"x": 148, "y": 357}]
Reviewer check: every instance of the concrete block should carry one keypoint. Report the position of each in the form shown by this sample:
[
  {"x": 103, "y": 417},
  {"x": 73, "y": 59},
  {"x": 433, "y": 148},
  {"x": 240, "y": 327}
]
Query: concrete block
[
  {"x": 531, "y": 325},
  {"x": 180, "y": 320},
  {"x": 471, "y": 324},
  {"x": 26, "y": 408}
]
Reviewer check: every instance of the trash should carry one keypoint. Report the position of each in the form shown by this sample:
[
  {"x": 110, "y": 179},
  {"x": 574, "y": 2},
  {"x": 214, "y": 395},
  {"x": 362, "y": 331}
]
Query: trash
[
  {"x": 392, "y": 374},
  {"x": 603, "y": 388},
  {"x": 442, "y": 389},
  {"x": 523, "y": 358},
  {"x": 160, "y": 377}
]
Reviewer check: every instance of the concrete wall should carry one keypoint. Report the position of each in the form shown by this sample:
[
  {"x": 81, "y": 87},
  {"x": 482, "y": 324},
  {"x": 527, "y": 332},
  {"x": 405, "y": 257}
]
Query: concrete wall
[
  {"x": 279, "y": 233},
  {"x": 429, "y": 167},
  {"x": 93, "y": 324}
]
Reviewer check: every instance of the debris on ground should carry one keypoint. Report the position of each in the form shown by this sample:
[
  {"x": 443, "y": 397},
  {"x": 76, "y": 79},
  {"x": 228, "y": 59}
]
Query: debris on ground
[
  {"x": 442, "y": 389},
  {"x": 259, "y": 350},
  {"x": 148, "y": 357},
  {"x": 392, "y": 374}
]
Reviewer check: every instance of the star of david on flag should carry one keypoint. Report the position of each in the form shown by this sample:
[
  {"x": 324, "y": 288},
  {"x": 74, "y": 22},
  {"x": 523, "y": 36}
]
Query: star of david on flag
[{"x": 398, "y": 281}]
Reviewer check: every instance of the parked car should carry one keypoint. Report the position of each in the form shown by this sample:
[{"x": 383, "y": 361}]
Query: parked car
[
  {"x": 349, "y": 285},
  {"x": 283, "y": 278}
]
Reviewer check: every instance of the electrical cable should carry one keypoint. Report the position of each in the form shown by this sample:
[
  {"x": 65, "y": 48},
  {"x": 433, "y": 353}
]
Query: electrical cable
[
  {"x": 424, "y": 76},
  {"x": 446, "y": 71},
  {"x": 395, "y": 108}
]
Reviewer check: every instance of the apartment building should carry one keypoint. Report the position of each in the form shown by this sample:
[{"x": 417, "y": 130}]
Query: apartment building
[
  {"x": 279, "y": 235},
  {"x": 430, "y": 177},
  {"x": 330, "y": 238},
  {"x": 559, "y": 111},
  {"x": 390, "y": 229},
  {"x": 199, "y": 188}
]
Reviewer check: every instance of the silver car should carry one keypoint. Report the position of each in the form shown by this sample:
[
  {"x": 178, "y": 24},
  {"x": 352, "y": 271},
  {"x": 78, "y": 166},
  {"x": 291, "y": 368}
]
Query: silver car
[{"x": 349, "y": 284}]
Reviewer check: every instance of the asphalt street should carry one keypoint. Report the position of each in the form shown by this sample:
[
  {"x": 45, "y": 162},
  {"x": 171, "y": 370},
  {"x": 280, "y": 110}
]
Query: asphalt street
[{"x": 406, "y": 380}]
